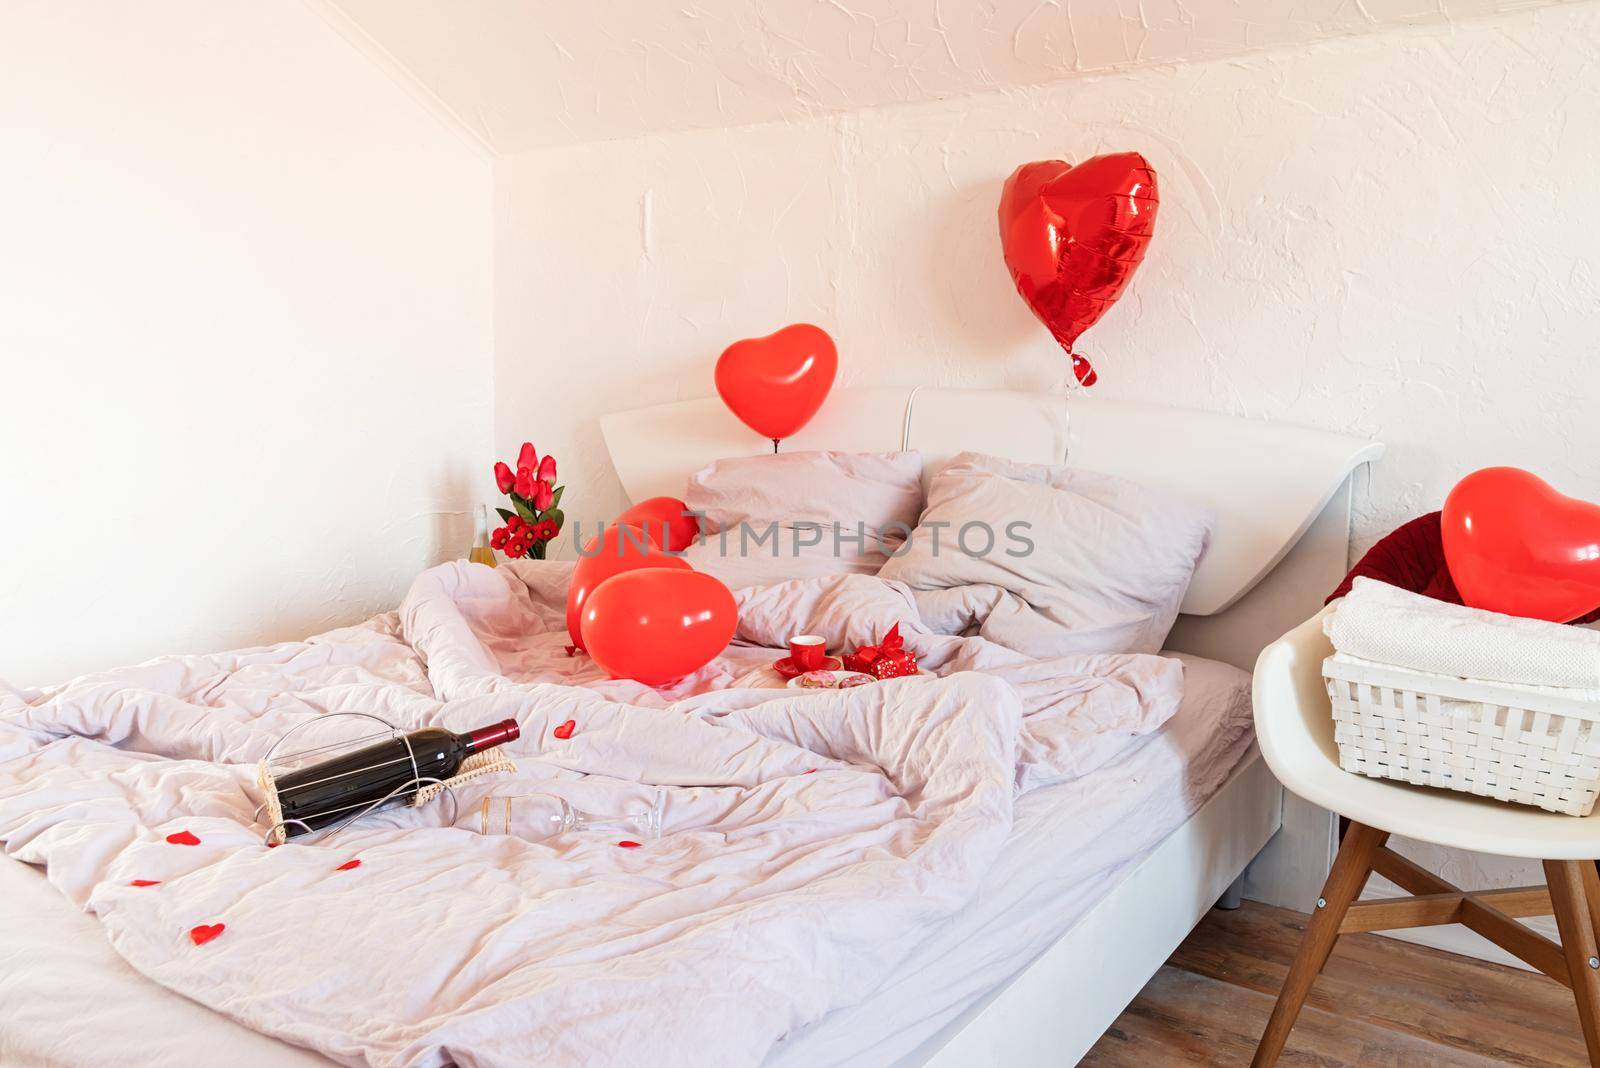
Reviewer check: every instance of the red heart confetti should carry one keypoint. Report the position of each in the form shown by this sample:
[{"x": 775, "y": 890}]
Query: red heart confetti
[
  {"x": 565, "y": 730},
  {"x": 274, "y": 845},
  {"x": 145, "y": 882},
  {"x": 811, "y": 771},
  {"x": 572, "y": 650},
  {"x": 625, "y": 844},
  {"x": 348, "y": 865},
  {"x": 204, "y": 933},
  {"x": 183, "y": 838}
]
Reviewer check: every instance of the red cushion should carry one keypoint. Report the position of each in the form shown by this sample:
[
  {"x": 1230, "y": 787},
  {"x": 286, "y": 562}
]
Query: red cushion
[{"x": 1412, "y": 557}]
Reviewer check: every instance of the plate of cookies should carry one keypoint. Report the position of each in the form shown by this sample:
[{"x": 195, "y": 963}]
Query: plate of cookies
[{"x": 828, "y": 679}]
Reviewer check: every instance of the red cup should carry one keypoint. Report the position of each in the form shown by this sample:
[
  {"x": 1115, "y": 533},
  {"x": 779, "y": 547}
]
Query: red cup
[{"x": 808, "y": 651}]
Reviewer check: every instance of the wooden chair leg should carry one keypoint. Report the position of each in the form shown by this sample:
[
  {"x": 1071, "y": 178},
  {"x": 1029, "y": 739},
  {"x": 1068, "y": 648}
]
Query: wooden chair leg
[
  {"x": 1350, "y": 870},
  {"x": 1575, "y": 895}
]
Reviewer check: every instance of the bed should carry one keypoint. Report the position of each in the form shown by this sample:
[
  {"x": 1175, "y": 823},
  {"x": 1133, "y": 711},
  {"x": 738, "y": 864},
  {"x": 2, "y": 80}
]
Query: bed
[
  {"x": 1281, "y": 495},
  {"x": 988, "y": 985}
]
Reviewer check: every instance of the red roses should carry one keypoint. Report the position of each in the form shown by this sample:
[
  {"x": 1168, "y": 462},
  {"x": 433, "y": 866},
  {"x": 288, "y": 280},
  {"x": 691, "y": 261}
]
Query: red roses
[
  {"x": 519, "y": 536},
  {"x": 538, "y": 517}
]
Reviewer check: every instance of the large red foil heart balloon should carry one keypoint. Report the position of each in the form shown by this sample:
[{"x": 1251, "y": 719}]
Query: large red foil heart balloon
[
  {"x": 611, "y": 552},
  {"x": 775, "y": 384},
  {"x": 1072, "y": 237},
  {"x": 654, "y": 625},
  {"x": 1515, "y": 545}
]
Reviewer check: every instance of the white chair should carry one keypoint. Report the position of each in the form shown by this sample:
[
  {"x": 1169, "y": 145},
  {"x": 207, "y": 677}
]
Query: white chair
[{"x": 1294, "y": 724}]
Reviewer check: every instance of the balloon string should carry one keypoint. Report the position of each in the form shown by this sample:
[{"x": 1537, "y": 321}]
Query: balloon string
[{"x": 774, "y": 446}]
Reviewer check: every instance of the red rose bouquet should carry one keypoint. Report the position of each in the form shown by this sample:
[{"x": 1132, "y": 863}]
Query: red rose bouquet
[{"x": 536, "y": 498}]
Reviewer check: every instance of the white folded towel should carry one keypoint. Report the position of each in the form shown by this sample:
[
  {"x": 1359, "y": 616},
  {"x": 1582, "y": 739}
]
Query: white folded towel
[
  {"x": 1422, "y": 678},
  {"x": 1391, "y": 626}
]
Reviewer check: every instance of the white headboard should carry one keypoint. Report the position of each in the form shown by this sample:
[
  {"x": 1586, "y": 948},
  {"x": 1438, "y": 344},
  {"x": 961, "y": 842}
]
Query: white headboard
[{"x": 1267, "y": 483}]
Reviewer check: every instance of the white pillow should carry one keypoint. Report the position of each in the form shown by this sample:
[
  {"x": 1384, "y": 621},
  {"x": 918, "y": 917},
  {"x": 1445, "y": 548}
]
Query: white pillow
[
  {"x": 1099, "y": 563},
  {"x": 793, "y": 515}
]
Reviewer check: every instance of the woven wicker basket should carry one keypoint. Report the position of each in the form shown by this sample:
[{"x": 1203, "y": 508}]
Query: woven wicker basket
[{"x": 1492, "y": 741}]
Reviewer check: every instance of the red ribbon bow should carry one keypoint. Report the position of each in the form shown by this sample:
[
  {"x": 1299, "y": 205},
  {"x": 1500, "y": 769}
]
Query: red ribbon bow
[{"x": 891, "y": 647}]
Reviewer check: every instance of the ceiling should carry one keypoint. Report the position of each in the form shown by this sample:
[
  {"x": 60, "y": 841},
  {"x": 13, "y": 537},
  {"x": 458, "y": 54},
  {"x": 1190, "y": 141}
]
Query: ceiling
[{"x": 525, "y": 74}]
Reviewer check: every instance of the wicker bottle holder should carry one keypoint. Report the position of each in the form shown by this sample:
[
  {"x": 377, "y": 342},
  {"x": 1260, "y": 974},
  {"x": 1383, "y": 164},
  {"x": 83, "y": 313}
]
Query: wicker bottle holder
[{"x": 1493, "y": 741}]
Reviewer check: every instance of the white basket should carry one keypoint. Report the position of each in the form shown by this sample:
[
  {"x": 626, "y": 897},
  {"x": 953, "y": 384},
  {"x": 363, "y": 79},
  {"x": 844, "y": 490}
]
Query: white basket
[{"x": 1493, "y": 741}]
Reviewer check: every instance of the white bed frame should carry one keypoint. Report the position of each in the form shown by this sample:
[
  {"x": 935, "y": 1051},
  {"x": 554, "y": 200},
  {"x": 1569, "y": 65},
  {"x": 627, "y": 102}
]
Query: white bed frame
[{"x": 1281, "y": 495}]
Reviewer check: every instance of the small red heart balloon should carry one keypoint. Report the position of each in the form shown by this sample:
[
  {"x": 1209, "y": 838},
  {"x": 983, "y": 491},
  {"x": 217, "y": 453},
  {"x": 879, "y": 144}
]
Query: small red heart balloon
[
  {"x": 1515, "y": 545},
  {"x": 655, "y": 625},
  {"x": 1072, "y": 236},
  {"x": 658, "y": 516},
  {"x": 775, "y": 384},
  {"x": 614, "y": 550}
]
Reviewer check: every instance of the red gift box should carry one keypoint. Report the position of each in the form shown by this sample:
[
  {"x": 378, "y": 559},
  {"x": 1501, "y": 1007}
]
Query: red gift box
[{"x": 889, "y": 659}]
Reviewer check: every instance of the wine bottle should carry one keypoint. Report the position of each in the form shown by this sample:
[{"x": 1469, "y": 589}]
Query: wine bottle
[
  {"x": 332, "y": 790},
  {"x": 482, "y": 552}
]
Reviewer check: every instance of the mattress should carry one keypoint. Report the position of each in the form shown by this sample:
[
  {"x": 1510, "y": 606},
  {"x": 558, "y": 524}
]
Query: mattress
[{"x": 71, "y": 1000}]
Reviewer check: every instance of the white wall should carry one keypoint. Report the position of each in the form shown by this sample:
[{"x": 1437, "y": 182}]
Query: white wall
[
  {"x": 1393, "y": 236},
  {"x": 524, "y": 76},
  {"x": 245, "y": 331}
]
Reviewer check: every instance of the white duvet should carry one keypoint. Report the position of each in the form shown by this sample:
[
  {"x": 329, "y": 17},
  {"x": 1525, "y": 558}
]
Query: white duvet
[{"x": 811, "y": 839}]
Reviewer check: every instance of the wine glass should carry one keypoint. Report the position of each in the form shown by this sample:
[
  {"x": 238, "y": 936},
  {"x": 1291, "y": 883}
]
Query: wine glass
[
  {"x": 544, "y": 815},
  {"x": 645, "y": 824}
]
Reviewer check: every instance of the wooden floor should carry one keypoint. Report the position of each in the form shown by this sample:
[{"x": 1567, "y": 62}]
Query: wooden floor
[{"x": 1380, "y": 1003}]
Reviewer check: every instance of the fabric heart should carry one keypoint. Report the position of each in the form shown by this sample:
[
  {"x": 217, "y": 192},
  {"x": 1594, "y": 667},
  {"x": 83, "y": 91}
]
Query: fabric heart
[
  {"x": 565, "y": 730},
  {"x": 1073, "y": 236},
  {"x": 183, "y": 838},
  {"x": 1515, "y": 545},
  {"x": 204, "y": 933},
  {"x": 348, "y": 865},
  {"x": 775, "y": 384}
]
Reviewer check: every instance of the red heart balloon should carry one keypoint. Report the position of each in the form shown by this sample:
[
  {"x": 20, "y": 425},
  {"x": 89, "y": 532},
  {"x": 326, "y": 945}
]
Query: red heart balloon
[
  {"x": 663, "y": 515},
  {"x": 1515, "y": 545},
  {"x": 1072, "y": 237},
  {"x": 611, "y": 552},
  {"x": 775, "y": 384},
  {"x": 654, "y": 625}
]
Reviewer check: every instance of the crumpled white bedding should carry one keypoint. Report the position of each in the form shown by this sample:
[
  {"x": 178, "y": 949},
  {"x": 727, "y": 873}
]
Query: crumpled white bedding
[{"x": 811, "y": 840}]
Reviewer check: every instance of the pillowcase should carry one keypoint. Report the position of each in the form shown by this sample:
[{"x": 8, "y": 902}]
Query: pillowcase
[
  {"x": 791, "y": 515},
  {"x": 1099, "y": 563}
]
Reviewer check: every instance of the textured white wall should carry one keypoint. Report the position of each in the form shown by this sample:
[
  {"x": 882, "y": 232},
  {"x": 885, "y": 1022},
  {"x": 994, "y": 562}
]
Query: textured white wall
[
  {"x": 245, "y": 331},
  {"x": 1393, "y": 236},
  {"x": 523, "y": 75}
]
